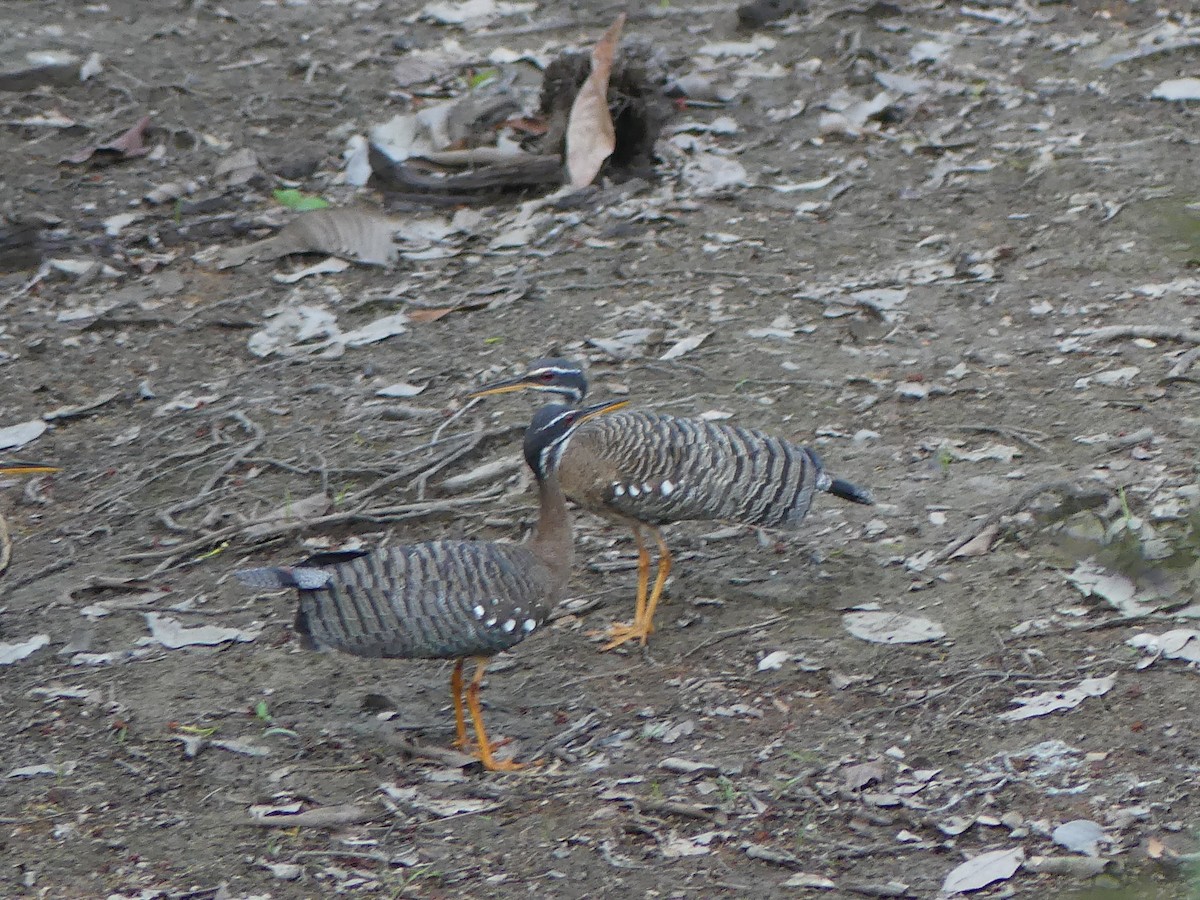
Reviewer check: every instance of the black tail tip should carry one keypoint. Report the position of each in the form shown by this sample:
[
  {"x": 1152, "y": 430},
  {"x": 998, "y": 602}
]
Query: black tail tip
[{"x": 852, "y": 492}]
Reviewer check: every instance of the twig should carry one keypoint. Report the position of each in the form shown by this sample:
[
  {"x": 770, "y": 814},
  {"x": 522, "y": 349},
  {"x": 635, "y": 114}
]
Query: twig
[
  {"x": 322, "y": 817},
  {"x": 1065, "y": 488},
  {"x": 390, "y": 514},
  {"x": 233, "y": 462},
  {"x": 732, "y": 632},
  {"x": 5, "y": 545},
  {"x": 1016, "y": 434},
  {"x": 1185, "y": 362},
  {"x": 676, "y": 808},
  {"x": 443, "y": 755},
  {"x": 1153, "y": 332},
  {"x": 583, "y": 726}
]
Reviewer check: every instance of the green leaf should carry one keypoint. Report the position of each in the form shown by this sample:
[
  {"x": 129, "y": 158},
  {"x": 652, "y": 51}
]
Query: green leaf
[
  {"x": 263, "y": 711},
  {"x": 482, "y": 77},
  {"x": 294, "y": 199}
]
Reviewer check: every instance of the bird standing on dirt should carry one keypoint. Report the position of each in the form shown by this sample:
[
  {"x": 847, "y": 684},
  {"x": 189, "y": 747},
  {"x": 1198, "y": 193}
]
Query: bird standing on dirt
[
  {"x": 446, "y": 599},
  {"x": 648, "y": 470}
]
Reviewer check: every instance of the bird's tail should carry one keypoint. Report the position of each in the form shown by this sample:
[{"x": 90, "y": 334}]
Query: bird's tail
[
  {"x": 845, "y": 490},
  {"x": 302, "y": 577}
]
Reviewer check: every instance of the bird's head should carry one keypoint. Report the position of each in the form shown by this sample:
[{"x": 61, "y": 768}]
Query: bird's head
[
  {"x": 553, "y": 376},
  {"x": 552, "y": 426}
]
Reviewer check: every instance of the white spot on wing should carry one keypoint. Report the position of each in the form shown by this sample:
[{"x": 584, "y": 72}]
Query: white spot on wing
[
  {"x": 510, "y": 625},
  {"x": 479, "y": 611},
  {"x": 618, "y": 490},
  {"x": 667, "y": 487},
  {"x": 634, "y": 490},
  {"x": 491, "y": 623},
  {"x": 647, "y": 489},
  {"x": 529, "y": 625}
]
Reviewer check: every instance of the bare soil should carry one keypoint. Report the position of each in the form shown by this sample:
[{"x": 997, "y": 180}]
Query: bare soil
[{"x": 1041, "y": 197}]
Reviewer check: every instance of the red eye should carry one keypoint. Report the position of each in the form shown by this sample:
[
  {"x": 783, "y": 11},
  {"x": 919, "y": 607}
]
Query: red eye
[{"x": 547, "y": 377}]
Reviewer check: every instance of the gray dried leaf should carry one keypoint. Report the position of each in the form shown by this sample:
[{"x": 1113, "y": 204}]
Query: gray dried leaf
[
  {"x": 881, "y": 627},
  {"x": 330, "y": 266},
  {"x": 21, "y": 434},
  {"x": 686, "y": 345},
  {"x": 472, "y": 13},
  {"x": 675, "y": 847},
  {"x": 1053, "y": 701},
  {"x": 358, "y": 234},
  {"x": 379, "y": 330},
  {"x": 992, "y": 452},
  {"x": 687, "y": 766},
  {"x": 808, "y": 880},
  {"x": 237, "y": 745},
  {"x": 1080, "y": 836},
  {"x": 237, "y": 168},
  {"x": 1118, "y": 590},
  {"x": 710, "y": 172},
  {"x": 440, "y": 808},
  {"x": 401, "y": 389},
  {"x": 295, "y": 329},
  {"x": 1178, "y": 643},
  {"x": 984, "y": 869},
  {"x": 11, "y": 653},
  {"x": 58, "y": 770},
  {"x": 1177, "y": 89},
  {"x": 71, "y": 412},
  {"x": 774, "y": 660},
  {"x": 172, "y": 634},
  {"x": 741, "y": 49}
]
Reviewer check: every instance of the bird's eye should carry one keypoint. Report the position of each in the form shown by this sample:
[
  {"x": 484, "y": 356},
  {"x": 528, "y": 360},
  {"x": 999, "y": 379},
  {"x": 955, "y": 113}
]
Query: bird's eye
[{"x": 547, "y": 377}]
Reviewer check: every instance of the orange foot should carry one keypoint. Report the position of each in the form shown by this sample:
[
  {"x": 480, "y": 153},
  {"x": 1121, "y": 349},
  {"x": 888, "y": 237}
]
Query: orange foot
[
  {"x": 500, "y": 765},
  {"x": 620, "y": 633},
  {"x": 472, "y": 749}
]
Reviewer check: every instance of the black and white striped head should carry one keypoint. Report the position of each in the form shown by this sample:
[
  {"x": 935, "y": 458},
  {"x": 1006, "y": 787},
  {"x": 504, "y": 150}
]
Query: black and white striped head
[
  {"x": 551, "y": 428},
  {"x": 553, "y": 376}
]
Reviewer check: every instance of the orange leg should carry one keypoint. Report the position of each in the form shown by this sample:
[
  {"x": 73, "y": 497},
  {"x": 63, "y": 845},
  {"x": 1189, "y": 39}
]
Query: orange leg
[
  {"x": 619, "y": 632},
  {"x": 485, "y": 747},
  {"x": 660, "y": 581},
  {"x": 456, "y": 694}
]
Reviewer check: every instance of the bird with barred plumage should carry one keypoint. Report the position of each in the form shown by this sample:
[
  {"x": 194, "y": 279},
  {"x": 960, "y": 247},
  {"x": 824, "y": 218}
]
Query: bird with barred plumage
[
  {"x": 647, "y": 470},
  {"x": 446, "y": 599}
]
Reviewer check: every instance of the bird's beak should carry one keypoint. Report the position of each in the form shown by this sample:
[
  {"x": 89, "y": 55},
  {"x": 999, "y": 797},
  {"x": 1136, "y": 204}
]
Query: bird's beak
[
  {"x": 27, "y": 469},
  {"x": 507, "y": 386},
  {"x": 599, "y": 409}
]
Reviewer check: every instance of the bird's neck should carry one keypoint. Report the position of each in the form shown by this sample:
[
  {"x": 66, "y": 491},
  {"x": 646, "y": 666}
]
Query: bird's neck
[{"x": 552, "y": 540}]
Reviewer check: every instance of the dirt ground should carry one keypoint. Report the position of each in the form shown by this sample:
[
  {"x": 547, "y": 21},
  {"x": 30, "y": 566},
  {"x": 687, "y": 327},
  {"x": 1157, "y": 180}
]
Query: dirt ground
[{"x": 1026, "y": 192}]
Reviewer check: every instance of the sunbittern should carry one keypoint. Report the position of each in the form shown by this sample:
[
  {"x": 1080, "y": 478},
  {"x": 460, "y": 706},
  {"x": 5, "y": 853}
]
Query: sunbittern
[
  {"x": 648, "y": 470},
  {"x": 10, "y": 469},
  {"x": 446, "y": 599}
]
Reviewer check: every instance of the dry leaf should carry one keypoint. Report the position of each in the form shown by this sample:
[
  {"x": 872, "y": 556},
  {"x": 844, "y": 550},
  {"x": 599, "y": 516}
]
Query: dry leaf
[
  {"x": 359, "y": 234},
  {"x": 422, "y": 316},
  {"x": 591, "y": 138},
  {"x": 880, "y": 627},
  {"x": 685, "y": 345},
  {"x": 22, "y": 434},
  {"x": 11, "y": 653},
  {"x": 129, "y": 145},
  {"x": 1052, "y": 701},
  {"x": 173, "y": 635},
  {"x": 984, "y": 869}
]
